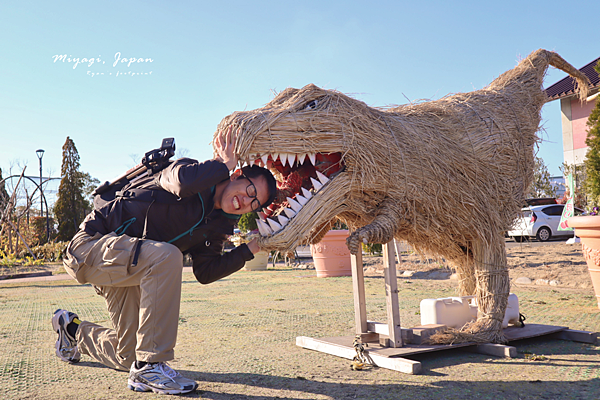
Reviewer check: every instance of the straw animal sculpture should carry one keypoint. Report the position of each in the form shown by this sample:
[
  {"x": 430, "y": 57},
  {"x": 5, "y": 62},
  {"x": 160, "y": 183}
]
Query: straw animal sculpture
[{"x": 447, "y": 176}]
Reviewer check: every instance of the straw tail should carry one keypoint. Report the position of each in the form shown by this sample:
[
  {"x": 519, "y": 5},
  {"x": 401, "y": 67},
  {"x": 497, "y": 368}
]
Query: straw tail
[
  {"x": 529, "y": 75},
  {"x": 583, "y": 82}
]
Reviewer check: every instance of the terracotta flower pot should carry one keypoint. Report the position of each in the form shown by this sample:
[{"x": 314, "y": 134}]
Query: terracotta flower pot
[
  {"x": 331, "y": 255},
  {"x": 587, "y": 228}
]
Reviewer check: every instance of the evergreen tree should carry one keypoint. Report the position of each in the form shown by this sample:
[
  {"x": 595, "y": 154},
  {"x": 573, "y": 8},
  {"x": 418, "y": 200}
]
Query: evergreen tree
[
  {"x": 592, "y": 161},
  {"x": 71, "y": 206},
  {"x": 541, "y": 185}
]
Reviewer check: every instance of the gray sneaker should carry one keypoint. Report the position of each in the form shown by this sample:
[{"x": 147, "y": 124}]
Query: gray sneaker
[
  {"x": 159, "y": 378},
  {"x": 66, "y": 345}
]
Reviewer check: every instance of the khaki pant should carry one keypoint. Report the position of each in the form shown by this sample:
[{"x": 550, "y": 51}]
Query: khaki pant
[{"x": 142, "y": 300}]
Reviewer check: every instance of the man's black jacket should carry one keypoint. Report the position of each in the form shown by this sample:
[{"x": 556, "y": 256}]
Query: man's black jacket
[{"x": 193, "y": 183}]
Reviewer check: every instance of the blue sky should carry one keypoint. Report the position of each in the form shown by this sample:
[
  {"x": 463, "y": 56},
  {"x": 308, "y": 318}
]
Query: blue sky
[{"x": 212, "y": 58}]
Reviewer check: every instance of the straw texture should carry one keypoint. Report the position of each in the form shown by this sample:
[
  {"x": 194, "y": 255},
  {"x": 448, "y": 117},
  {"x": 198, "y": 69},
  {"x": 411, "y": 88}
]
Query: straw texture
[{"x": 448, "y": 176}]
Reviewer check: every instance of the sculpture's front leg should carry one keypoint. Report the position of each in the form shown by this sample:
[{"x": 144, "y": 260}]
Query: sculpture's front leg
[{"x": 380, "y": 230}]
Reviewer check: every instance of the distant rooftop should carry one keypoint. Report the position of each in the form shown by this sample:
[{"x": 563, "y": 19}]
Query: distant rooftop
[{"x": 566, "y": 86}]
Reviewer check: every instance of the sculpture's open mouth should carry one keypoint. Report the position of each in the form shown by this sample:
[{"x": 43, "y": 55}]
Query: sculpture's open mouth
[{"x": 299, "y": 178}]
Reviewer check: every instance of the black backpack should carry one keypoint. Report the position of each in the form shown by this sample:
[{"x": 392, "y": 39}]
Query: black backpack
[{"x": 127, "y": 186}]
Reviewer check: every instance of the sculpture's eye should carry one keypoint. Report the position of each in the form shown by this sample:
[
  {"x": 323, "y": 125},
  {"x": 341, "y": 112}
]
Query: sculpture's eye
[{"x": 311, "y": 105}]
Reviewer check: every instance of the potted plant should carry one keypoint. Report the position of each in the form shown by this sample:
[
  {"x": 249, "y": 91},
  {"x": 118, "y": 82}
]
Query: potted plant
[
  {"x": 331, "y": 255},
  {"x": 249, "y": 230}
]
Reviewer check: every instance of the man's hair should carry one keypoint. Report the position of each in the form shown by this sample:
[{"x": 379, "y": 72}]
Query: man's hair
[{"x": 255, "y": 171}]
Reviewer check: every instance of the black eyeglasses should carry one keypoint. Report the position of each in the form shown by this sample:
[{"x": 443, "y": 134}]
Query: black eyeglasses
[{"x": 251, "y": 192}]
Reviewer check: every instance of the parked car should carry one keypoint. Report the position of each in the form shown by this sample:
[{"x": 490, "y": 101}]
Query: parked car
[
  {"x": 539, "y": 201},
  {"x": 540, "y": 222}
]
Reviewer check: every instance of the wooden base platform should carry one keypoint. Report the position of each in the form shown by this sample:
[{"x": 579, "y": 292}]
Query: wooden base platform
[
  {"x": 386, "y": 344},
  {"x": 393, "y": 357}
]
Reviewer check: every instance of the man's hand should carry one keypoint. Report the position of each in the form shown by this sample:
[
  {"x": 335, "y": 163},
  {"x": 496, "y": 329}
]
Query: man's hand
[
  {"x": 253, "y": 246},
  {"x": 224, "y": 147}
]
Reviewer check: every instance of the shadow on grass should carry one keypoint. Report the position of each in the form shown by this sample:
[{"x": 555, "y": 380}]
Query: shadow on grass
[
  {"x": 431, "y": 384},
  {"x": 267, "y": 386},
  {"x": 257, "y": 386}
]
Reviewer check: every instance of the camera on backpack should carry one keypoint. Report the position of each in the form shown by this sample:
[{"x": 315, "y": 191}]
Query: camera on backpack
[{"x": 152, "y": 162}]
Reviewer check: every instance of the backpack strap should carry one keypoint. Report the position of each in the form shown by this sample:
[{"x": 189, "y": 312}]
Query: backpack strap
[
  {"x": 148, "y": 195},
  {"x": 191, "y": 230}
]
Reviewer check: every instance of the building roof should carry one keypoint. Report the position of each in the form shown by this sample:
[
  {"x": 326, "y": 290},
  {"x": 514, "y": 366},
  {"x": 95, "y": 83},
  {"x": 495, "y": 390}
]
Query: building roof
[{"x": 566, "y": 86}]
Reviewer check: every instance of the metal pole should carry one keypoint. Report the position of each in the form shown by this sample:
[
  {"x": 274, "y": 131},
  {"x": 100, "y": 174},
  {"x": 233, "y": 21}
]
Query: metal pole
[
  {"x": 41, "y": 197},
  {"x": 40, "y": 154}
]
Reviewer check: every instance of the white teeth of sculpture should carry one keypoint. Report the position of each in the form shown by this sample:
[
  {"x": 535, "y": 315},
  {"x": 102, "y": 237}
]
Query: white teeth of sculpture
[
  {"x": 274, "y": 225},
  {"x": 306, "y": 193},
  {"x": 294, "y": 204},
  {"x": 291, "y": 158},
  {"x": 289, "y": 212},
  {"x": 261, "y": 228},
  {"x": 301, "y": 199},
  {"x": 322, "y": 178},
  {"x": 316, "y": 184},
  {"x": 283, "y": 220}
]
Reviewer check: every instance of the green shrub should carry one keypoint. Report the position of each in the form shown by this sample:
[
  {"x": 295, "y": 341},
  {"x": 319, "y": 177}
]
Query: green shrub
[
  {"x": 48, "y": 252},
  {"x": 247, "y": 222}
]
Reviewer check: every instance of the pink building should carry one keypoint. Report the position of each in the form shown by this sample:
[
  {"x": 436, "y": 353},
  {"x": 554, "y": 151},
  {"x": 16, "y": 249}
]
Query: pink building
[{"x": 574, "y": 113}]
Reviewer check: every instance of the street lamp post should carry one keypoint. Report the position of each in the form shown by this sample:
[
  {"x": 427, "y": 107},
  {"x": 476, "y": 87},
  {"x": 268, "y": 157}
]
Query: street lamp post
[{"x": 40, "y": 154}]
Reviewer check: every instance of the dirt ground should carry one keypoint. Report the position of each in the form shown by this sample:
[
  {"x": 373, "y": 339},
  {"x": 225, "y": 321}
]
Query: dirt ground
[
  {"x": 237, "y": 336},
  {"x": 556, "y": 264}
]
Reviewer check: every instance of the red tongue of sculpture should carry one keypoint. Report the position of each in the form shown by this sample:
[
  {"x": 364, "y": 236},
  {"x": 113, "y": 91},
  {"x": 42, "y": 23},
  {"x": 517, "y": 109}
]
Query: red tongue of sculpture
[{"x": 290, "y": 186}]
